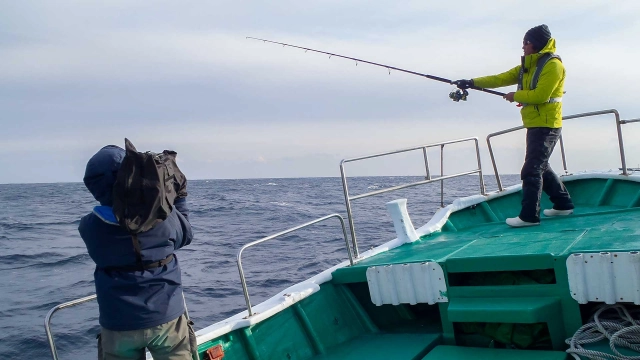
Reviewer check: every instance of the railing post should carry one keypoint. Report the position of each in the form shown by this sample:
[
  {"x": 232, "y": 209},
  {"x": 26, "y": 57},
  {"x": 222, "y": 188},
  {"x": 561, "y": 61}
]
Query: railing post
[
  {"x": 347, "y": 202},
  {"x": 620, "y": 142},
  {"x": 441, "y": 175},
  {"x": 243, "y": 281},
  {"x": 426, "y": 162},
  {"x": 564, "y": 159},
  {"x": 483, "y": 190},
  {"x": 493, "y": 162},
  {"x": 622, "y": 122}
]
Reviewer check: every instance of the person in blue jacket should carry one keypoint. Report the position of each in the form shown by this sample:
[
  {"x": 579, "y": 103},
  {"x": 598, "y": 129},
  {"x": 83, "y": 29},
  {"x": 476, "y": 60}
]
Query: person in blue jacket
[{"x": 139, "y": 309}]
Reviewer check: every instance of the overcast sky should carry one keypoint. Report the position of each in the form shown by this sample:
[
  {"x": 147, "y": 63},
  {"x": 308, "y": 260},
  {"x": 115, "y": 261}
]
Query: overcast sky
[{"x": 78, "y": 75}]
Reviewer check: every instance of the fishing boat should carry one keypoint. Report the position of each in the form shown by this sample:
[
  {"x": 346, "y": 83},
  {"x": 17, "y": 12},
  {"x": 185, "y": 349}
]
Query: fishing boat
[{"x": 462, "y": 286}]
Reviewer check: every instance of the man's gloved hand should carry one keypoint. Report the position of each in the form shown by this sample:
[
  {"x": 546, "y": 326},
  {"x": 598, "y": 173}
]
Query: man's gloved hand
[{"x": 463, "y": 84}]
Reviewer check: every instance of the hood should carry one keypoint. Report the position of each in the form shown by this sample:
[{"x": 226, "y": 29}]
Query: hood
[
  {"x": 529, "y": 61},
  {"x": 550, "y": 47},
  {"x": 101, "y": 173}
]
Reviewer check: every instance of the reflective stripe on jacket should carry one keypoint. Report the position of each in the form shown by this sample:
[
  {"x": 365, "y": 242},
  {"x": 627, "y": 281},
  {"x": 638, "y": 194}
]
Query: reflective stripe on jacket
[{"x": 538, "y": 112}]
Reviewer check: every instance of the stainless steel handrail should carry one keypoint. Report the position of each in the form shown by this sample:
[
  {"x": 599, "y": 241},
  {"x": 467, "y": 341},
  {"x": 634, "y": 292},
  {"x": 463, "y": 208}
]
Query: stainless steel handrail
[
  {"x": 564, "y": 161},
  {"x": 47, "y": 321},
  {"x": 428, "y": 180},
  {"x": 242, "y": 278},
  {"x": 629, "y": 121}
]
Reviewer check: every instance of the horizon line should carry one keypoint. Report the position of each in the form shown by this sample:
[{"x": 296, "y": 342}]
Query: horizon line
[{"x": 256, "y": 178}]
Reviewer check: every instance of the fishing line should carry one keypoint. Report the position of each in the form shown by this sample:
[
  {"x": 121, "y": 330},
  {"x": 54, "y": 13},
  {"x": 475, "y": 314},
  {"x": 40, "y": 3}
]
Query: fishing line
[{"x": 456, "y": 95}]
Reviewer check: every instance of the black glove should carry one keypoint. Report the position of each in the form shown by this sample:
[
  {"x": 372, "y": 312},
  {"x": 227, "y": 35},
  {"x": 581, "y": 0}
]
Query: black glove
[{"x": 463, "y": 84}]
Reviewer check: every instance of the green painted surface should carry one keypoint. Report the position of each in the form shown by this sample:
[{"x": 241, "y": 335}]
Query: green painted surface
[
  {"x": 282, "y": 337},
  {"x": 340, "y": 322},
  {"x": 384, "y": 347},
  {"x": 444, "y": 352},
  {"x": 479, "y": 243},
  {"x": 311, "y": 327},
  {"x": 231, "y": 344},
  {"x": 528, "y": 310},
  {"x": 333, "y": 317},
  {"x": 611, "y": 230},
  {"x": 399, "y": 318}
]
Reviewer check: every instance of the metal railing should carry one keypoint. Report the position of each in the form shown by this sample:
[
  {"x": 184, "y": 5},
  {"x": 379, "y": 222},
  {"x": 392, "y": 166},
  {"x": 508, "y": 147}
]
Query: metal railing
[
  {"x": 428, "y": 180},
  {"x": 47, "y": 319},
  {"x": 242, "y": 278},
  {"x": 564, "y": 160},
  {"x": 629, "y": 121}
]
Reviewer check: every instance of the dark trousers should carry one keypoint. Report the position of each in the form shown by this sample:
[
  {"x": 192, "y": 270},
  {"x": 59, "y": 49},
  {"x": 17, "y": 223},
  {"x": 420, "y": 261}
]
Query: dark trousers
[{"x": 537, "y": 175}]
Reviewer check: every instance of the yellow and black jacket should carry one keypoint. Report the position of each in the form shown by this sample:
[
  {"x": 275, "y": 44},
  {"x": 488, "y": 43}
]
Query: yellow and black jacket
[{"x": 542, "y": 105}]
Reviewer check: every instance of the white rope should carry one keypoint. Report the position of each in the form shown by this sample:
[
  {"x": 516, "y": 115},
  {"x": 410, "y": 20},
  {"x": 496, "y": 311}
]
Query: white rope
[{"x": 612, "y": 322}]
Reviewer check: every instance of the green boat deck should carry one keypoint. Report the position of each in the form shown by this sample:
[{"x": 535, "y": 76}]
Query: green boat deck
[
  {"x": 341, "y": 322},
  {"x": 494, "y": 246},
  {"x": 476, "y": 239}
]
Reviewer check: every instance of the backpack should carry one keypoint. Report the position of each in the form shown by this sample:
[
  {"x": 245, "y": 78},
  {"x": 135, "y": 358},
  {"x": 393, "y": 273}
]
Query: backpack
[{"x": 146, "y": 186}]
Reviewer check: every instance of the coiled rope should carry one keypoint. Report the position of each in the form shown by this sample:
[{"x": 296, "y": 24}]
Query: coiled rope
[{"x": 613, "y": 322}]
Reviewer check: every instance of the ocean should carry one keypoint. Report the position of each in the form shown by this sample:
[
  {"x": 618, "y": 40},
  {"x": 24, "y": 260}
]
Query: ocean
[{"x": 45, "y": 262}]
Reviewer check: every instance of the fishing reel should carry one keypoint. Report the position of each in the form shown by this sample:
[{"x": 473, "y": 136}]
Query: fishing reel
[{"x": 458, "y": 95}]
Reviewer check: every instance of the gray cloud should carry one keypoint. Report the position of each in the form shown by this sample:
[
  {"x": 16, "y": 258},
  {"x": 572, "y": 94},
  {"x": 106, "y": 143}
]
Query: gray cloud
[{"x": 75, "y": 75}]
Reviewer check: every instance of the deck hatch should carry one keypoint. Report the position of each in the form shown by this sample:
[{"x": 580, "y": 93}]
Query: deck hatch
[
  {"x": 608, "y": 277},
  {"x": 412, "y": 283}
]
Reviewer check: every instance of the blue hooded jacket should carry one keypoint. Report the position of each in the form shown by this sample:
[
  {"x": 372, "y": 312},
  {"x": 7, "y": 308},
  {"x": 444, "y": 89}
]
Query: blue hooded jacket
[{"x": 132, "y": 300}]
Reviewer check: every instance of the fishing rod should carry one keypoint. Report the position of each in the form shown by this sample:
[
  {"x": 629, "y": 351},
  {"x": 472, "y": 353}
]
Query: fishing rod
[{"x": 457, "y": 95}]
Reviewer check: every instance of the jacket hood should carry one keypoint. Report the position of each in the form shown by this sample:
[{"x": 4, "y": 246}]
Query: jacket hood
[
  {"x": 101, "y": 173},
  {"x": 550, "y": 47}
]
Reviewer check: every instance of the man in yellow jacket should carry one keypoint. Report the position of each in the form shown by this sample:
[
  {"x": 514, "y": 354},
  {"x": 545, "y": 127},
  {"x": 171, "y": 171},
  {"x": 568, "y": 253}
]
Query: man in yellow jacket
[{"x": 540, "y": 79}]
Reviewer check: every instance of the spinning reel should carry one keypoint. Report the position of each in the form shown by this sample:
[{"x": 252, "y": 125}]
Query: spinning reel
[{"x": 458, "y": 95}]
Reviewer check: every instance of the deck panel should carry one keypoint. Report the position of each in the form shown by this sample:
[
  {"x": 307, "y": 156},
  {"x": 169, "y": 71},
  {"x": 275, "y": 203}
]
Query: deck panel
[
  {"x": 590, "y": 229},
  {"x": 476, "y": 240},
  {"x": 383, "y": 347}
]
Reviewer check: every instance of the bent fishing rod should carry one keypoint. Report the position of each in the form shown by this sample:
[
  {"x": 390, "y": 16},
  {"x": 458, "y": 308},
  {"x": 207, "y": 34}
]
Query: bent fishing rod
[{"x": 457, "y": 95}]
